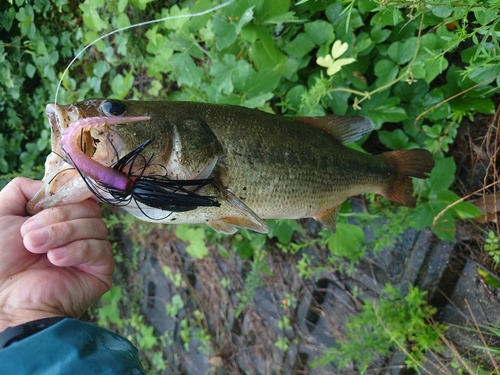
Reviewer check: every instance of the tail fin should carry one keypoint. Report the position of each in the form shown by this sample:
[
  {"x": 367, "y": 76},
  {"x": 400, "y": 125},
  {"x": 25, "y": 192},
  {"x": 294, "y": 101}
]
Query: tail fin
[{"x": 407, "y": 163}]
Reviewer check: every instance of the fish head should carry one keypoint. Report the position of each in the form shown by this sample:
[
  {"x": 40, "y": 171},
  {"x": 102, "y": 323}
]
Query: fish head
[
  {"x": 63, "y": 184},
  {"x": 169, "y": 140}
]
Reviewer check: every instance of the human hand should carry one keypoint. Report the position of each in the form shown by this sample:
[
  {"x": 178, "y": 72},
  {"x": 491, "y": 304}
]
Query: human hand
[{"x": 56, "y": 263}]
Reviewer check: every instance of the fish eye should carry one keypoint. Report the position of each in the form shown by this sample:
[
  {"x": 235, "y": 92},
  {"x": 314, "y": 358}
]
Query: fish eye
[{"x": 113, "y": 108}]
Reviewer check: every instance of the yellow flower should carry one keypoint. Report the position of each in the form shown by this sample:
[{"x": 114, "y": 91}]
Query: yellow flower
[{"x": 332, "y": 61}]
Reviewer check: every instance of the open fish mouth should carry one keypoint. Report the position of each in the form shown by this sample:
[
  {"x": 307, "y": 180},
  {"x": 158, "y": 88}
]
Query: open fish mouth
[{"x": 62, "y": 182}]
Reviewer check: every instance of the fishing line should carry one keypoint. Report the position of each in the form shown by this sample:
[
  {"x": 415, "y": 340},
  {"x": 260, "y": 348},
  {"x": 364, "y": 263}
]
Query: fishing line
[{"x": 223, "y": 5}]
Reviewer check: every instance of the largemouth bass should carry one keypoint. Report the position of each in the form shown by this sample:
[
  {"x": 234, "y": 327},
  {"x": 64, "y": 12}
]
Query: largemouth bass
[{"x": 223, "y": 165}]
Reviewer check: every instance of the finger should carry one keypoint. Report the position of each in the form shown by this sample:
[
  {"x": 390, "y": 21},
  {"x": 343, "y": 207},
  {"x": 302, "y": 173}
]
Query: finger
[
  {"x": 86, "y": 209},
  {"x": 16, "y": 194},
  {"x": 63, "y": 233},
  {"x": 94, "y": 257}
]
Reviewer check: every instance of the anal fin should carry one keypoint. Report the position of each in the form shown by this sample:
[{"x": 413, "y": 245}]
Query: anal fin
[
  {"x": 329, "y": 218},
  {"x": 243, "y": 216}
]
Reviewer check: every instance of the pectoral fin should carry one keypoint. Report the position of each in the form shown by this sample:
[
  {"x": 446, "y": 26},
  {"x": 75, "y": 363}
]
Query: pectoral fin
[
  {"x": 243, "y": 216},
  {"x": 329, "y": 218}
]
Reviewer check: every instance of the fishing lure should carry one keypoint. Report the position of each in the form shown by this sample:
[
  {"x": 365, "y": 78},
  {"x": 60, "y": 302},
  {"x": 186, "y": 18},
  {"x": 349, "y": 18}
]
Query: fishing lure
[{"x": 157, "y": 191}]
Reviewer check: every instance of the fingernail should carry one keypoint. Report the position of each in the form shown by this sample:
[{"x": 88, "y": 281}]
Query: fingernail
[
  {"x": 38, "y": 237},
  {"x": 30, "y": 225},
  {"x": 59, "y": 253}
]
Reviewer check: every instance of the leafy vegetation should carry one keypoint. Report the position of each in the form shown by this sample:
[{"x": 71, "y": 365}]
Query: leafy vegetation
[
  {"x": 393, "y": 321},
  {"x": 417, "y": 69}
]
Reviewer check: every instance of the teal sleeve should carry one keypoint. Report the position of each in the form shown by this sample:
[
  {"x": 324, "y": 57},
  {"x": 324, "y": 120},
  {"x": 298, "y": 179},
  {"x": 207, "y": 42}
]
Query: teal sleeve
[{"x": 71, "y": 347}]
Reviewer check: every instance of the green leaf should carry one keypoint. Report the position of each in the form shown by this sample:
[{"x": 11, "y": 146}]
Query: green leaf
[
  {"x": 441, "y": 177},
  {"x": 294, "y": 97},
  {"x": 434, "y": 97},
  {"x": 195, "y": 237},
  {"x": 489, "y": 279},
  {"x": 243, "y": 248},
  {"x": 90, "y": 37},
  {"x": 433, "y": 67},
  {"x": 395, "y": 140},
  {"x": 319, "y": 32},
  {"x": 485, "y": 105},
  {"x": 386, "y": 18},
  {"x": 364, "y": 44},
  {"x": 122, "y": 4},
  {"x": 403, "y": 52},
  {"x": 122, "y": 20},
  {"x": 381, "y": 110},
  {"x": 441, "y": 11},
  {"x": 283, "y": 229},
  {"x": 224, "y": 31},
  {"x": 379, "y": 35},
  {"x": 346, "y": 241},
  {"x": 91, "y": 17},
  {"x": 464, "y": 210},
  {"x": 265, "y": 54},
  {"x": 176, "y": 23},
  {"x": 271, "y": 9},
  {"x": 386, "y": 71},
  {"x": 444, "y": 226},
  {"x": 185, "y": 70},
  {"x": 257, "y": 101},
  {"x": 30, "y": 70},
  {"x": 245, "y": 18},
  {"x": 101, "y": 68},
  {"x": 121, "y": 85},
  {"x": 299, "y": 46},
  {"x": 485, "y": 15},
  {"x": 261, "y": 83}
]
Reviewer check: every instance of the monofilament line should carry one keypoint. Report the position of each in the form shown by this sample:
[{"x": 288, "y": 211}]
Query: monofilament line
[{"x": 131, "y": 27}]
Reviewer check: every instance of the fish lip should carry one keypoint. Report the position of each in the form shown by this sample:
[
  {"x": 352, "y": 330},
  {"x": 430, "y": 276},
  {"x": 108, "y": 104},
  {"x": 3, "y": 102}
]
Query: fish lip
[{"x": 62, "y": 182}]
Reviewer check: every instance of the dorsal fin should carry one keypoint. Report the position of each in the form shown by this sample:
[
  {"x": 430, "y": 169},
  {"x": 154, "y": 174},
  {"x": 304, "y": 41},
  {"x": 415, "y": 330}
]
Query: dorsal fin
[{"x": 345, "y": 129}]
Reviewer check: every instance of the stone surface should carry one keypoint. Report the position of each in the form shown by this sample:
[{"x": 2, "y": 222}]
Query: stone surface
[{"x": 317, "y": 319}]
